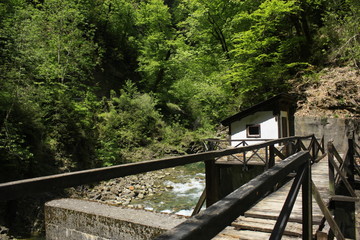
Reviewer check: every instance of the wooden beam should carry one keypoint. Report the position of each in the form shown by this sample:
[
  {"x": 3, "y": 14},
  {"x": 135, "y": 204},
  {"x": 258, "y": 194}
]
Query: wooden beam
[
  {"x": 279, "y": 154},
  {"x": 334, "y": 227},
  {"x": 343, "y": 178},
  {"x": 212, "y": 179},
  {"x": 320, "y": 158},
  {"x": 271, "y": 162},
  {"x": 341, "y": 198},
  {"x": 307, "y": 214},
  {"x": 255, "y": 152},
  {"x": 311, "y": 145},
  {"x": 302, "y": 145},
  {"x": 337, "y": 155},
  {"x": 20, "y": 188},
  {"x": 351, "y": 160},
  {"x": 330, "y": 148},
  {"x": 200, "y": 203},
  {"x": 285, "y": 212}
]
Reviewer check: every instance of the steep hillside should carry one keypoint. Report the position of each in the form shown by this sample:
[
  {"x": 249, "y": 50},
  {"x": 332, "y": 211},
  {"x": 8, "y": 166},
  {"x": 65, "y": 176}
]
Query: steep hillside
[{"x": 333, "y": 92}]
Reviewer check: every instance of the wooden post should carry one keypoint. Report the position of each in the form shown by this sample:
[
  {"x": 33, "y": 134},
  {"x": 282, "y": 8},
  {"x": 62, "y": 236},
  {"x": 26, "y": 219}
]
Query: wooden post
[
  {"x": 330, "y": 150},
  {"x": 266, "y": 158},
  {"x": 212, "y": 182},
  {"x": 307, "y": 203},
  {"x": 297, "y": 146},
  {"x": 271, "y": 156},
  {"x": 244, "y": 155},
  {"x": 351, "y": 162},
  {"x": 313, "y": 149}
]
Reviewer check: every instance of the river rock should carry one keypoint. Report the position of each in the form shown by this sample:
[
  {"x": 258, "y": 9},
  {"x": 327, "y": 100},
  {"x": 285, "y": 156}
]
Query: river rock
[
  {"x": 121, "y": 191},
  {"x": 97, "y": 197},
  {"x": 4, "y": 230},
  {"x": 114, "y": 190}
]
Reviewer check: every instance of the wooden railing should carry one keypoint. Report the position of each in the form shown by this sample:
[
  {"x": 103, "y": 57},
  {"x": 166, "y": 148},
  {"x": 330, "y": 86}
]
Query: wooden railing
[
  {"x": 341, "y": 172},
  {"x": 272, "y": 150},
  {"x": 212, "y": 220},
  {"x": 220, "y": 214},
  {"x": 21, "y": 188},
  {"x": 285, "y": 148}
]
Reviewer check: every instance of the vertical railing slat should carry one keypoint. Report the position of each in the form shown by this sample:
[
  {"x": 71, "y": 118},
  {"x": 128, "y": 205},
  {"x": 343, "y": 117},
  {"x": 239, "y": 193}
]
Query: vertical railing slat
[{"x": 307, "y": 204}]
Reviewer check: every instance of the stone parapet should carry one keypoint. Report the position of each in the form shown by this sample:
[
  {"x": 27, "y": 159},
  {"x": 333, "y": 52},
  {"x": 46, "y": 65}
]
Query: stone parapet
[{"x": 74, "y": 219}]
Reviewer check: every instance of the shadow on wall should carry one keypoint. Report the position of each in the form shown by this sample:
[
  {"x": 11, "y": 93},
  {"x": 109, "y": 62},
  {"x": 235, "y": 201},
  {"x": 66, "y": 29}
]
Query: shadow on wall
[{"x": 336, "y": 129}]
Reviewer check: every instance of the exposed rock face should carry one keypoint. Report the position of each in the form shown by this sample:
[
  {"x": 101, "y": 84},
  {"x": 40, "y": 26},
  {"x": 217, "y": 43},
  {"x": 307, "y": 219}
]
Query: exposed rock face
[{"x": 336, "y": 93}]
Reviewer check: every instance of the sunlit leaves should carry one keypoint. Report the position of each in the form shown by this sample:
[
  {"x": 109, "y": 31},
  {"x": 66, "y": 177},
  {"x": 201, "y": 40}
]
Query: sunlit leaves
[
  {"x": 261, "y": 45},
  {"x": 153, "y": 22},
  {"x": 53, "y": 42}
]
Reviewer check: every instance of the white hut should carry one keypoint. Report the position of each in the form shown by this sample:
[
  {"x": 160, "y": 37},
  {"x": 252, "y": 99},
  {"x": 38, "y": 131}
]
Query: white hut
[{"x": 271, "y": 119}]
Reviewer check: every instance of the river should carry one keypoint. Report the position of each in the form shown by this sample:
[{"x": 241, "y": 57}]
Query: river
[{"x": 183, "y": 185}]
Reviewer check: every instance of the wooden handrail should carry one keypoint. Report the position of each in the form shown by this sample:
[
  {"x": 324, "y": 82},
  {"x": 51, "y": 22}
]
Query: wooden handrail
[
  {"x": 284, "y": 216},
  {"x": 335, "y": 175},
  {"x": 20, "y": 188},
  {"x": 212, "y": 220}
]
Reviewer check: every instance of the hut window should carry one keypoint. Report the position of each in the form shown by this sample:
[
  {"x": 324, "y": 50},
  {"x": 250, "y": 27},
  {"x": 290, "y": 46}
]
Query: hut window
[{"x": 253, "y": 131}]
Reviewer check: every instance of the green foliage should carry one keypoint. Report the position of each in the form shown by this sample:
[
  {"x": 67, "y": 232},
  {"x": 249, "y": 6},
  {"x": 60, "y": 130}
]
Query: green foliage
[
  {"x": 52, "y": 42},
  {"x": 70, "y": 132},
  {"x": 180, "y": 67},
  {"x": 262, "y": 49},
  {"x": 19, "y": 133},
  {"x": 128, "y": 121},
  {"x": 199, "y": 104},
  {"x": 153, "y": 22},
  {"x": 339, "y": 38}
]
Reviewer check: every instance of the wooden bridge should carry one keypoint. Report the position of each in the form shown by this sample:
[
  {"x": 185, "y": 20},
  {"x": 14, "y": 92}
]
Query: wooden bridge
[
  {"x": 265, "y": 207},
  {"x": 259, "y": 221}
]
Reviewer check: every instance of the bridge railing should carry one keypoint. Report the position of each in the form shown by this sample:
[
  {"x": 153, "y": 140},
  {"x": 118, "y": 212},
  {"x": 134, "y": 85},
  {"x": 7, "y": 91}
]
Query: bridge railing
[
  {"x": 267, "y": 154},
  {"x": 221, "y": 214},
  {"x": 21, "y": 188},
  {"x": 290, "y": 146},
  {"x": 341, "y": 173}
]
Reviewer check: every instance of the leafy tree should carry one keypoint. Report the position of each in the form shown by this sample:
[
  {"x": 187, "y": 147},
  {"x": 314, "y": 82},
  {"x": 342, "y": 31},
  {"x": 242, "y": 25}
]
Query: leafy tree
[
  {"x": 116, "y": 34},
  {"x": 52, "y": 43},
  {"x": 48, "y": 55},
  {"x": 339, "y": 38},
  {"x": 128, "y": 121},
  {"x": 264, "y": 49},
  {"x": 154, "y": 25}
]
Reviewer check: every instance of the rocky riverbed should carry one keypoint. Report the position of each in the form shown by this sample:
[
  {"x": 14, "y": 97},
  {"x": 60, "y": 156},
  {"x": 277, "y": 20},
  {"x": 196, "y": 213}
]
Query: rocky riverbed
[{"x": 157, "y": 190}]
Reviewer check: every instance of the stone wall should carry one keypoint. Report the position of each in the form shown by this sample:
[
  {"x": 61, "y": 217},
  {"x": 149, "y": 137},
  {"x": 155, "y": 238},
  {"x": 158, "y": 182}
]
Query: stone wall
[
  {"x": 74, "y": 219},
  {"x": 336, "y": 129}
]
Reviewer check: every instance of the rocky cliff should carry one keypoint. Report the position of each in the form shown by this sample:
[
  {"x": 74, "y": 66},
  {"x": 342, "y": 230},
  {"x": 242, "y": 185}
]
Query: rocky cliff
[{"x": 331, "y": 93}]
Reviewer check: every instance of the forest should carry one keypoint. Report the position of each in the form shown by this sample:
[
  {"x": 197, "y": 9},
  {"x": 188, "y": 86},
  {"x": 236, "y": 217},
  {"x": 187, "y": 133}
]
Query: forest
[{"x": 90, "y": 83}]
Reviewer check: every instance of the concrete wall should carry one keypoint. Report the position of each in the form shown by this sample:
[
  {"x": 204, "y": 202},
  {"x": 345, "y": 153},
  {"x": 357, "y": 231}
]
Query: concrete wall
[
  {"x": 268, "y": 127},
  {"x": 74, "y": 219},
  {"x": 336, "y": 129}
]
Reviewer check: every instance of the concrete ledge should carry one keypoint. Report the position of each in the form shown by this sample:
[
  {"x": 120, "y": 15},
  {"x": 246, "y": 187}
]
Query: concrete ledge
[{"x": 75, "y": 219}]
